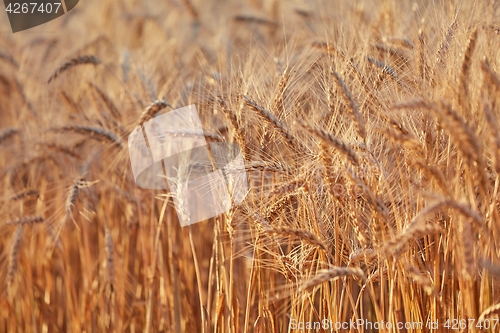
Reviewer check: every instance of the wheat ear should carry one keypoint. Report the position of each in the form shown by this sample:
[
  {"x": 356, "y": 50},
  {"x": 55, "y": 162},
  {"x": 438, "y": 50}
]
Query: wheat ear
[
  {"x": 26, "y": 220},
  {"x": 110, "y": 255},
  {"x": 81, "y": 60},
  {"x": 353, "y": 106},
  {"x": 13, "y": 255},
  {"x": 7, "y": 133},
  {"x": 278, "y": 125},
  {"x": 23, "y": 194},
  {"x": 445, "y": 44},
  {"x": 153, "y": 109},
  {"x": 341, "y": 146},
  {"x": 466, "y": 64},
  {"x": 92, "y": 131}
]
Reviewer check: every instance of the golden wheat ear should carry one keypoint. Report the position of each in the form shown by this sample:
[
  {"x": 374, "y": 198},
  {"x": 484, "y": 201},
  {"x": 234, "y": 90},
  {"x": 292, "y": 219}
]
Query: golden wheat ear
[{"x": 81, "y": 60}]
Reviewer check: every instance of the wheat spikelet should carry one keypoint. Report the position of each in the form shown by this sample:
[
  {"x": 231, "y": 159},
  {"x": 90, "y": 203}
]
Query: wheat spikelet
[
  {"x": 13, "y": 255},
  {"x": 341, "y": 146},
  {"x": 8, "y": 133},
  {"x": 353, "y": 106},
  {"x": 266, "y": 166},
  {"x": 330, "y": 274},
  {"x": 81, "y": 60},
  {"x": 153, "y": 109},
  {"x": 27, "y": 220},
  {"x": 94, "y": 132},
  {"x": 304, "y": 235},
  {"x": 278, "y": 125}
]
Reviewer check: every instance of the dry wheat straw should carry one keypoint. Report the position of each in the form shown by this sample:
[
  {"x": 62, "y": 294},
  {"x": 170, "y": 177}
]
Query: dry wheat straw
[
  {"x": 81, "y": 60},
  {"x": 357, "y": 117},
  {"x": 330, "y": 274}
]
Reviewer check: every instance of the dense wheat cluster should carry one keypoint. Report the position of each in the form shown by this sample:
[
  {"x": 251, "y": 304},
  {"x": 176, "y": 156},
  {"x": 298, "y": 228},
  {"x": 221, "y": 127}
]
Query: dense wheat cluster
[{"x": 371, "y": 137}]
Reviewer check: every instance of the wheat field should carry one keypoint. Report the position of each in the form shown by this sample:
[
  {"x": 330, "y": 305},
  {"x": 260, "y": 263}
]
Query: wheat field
[{"x": 371, "y": 138}]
